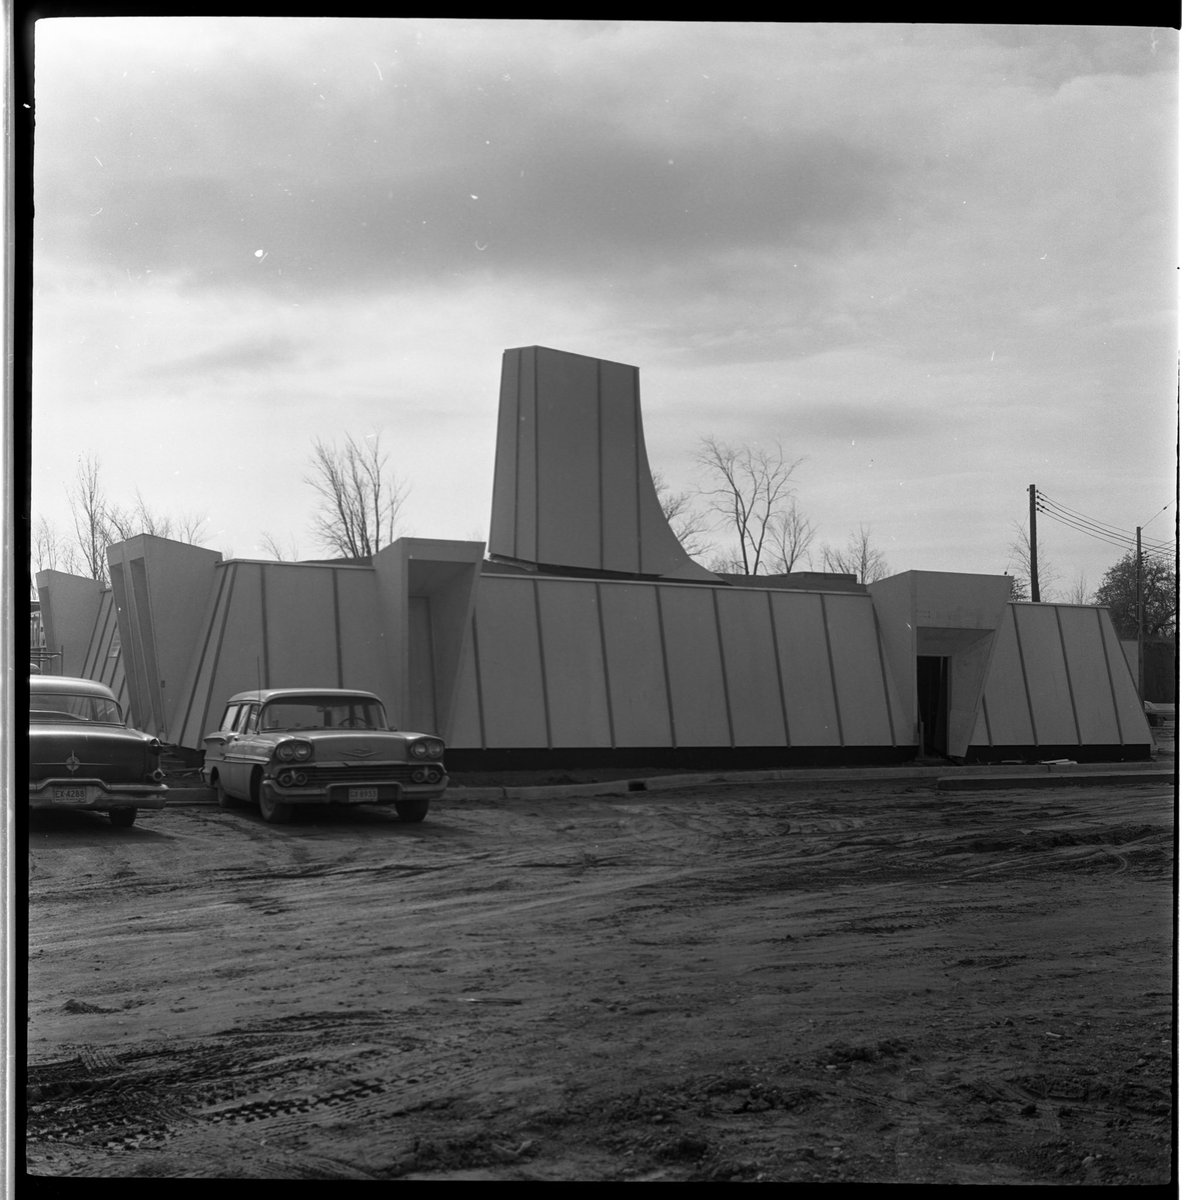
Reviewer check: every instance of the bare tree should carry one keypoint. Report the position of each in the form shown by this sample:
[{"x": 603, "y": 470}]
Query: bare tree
[
  {"x": 862, "y": 558},
  {"x": 127, "y": 523},
  {"x": 689, "y": 526},
  {"x": 360, "y": 502},
  {"x": 792, "y": 541},
  {"x": 1020, "y": 564},
  {"x": 51, "y": 552},
  {"x": 89, "y": 512},
  {"x": 98, "y": 523},
  {"x": 271, "y": 547},
  {"x": 750, "y": 490},
  {"x": 1080, "y": 592}
]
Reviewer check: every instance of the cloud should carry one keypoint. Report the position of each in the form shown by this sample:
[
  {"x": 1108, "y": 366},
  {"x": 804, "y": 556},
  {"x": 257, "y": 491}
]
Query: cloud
[
  {"x": 941, "y": 248},
  {"x": 245, "y": 356}
]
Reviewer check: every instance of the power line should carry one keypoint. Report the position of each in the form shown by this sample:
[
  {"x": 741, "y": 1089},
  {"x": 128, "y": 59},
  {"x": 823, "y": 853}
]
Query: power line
[
  {"x": 1101, "y": 526},
  {"x": 1119, "y": 542},
  {"x": 1101, "y": 530}
]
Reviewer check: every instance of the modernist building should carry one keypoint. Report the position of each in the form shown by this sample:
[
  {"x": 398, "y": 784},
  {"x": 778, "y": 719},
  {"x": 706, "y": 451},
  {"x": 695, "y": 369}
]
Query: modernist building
[{"x": 588, "y": 636}]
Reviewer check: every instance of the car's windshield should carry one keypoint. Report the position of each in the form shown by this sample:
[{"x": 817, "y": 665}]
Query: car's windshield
[
  {"x": 66, "y": 706},
  {"x": 322, "y": 712}
]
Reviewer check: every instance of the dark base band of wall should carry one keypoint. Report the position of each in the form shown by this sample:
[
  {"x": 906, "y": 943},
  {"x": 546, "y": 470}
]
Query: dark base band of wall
[
  {"x": 757, "y": 758},
  {"x": 1039, "y": 754},
  {"x": 681, "y": 759}
]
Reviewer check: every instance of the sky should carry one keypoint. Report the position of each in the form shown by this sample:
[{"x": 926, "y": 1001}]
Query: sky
[{"x": 935, "y": 263}]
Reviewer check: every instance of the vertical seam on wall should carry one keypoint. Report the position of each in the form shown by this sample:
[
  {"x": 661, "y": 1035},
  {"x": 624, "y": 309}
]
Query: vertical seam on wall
[
  {"x": 95, "y": 625},
  {"x": 605, "y": 666},
  {"x": 95, "y": 655},
  {"x": 832, "y": 670},
  {"x": 886, "y": 689},
  {"x": 636, "y": 468},
  {"x": 1118, "y": 724},
  {"x": 105, "y": 644},
  {"x": 600, "y": 460},
  {"x": 335, "y": 620},
  {"x": 716, "y": 609},
  {"x": 658, "y": 600},
  {"x": 517, "y": 436},
  {"x": 774, "y": 639},
  {"x": 433, "y": 682},
  {"x": 1031, "y": 713},
  {"x": 480, "y": 696},
  {"x": 222, "y": 617},
  {"x": 264, "y": 632},
  {"x": 538, "y": 629},
  {"x": 534, "y": 390},
  {"x": 1064, "y": 655}
]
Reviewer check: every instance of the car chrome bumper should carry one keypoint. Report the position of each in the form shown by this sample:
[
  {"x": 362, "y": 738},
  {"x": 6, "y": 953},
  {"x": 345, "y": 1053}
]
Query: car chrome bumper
[
  {"x": 367, "y": 791},
  {"x": 95, "y": 794}
]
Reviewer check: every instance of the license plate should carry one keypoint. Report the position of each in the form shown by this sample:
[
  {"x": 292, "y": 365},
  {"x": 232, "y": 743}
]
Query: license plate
[
  {"x": 70, "y": 795},
  {"x": 362, "y": 794}
]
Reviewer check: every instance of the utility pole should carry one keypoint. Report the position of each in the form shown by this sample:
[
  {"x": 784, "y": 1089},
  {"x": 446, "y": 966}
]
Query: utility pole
[
  {"x": 1139, "y": 605},
  {"x": 1031, "y": 526}
]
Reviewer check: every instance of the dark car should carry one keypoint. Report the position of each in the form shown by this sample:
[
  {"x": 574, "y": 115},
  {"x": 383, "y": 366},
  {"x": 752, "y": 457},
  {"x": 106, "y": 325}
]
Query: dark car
[
  {"x": 83, "y": 756},
  {"x": 281, "y": 747}
]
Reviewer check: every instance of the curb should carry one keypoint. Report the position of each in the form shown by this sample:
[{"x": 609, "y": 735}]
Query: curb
[
  {"x": 1076, "y": 779},
  {"x": 945, "y": 778}
]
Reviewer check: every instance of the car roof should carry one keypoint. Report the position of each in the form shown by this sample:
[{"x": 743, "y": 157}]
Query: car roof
[
  {"x": 69, "y": 685},
  {"x": 261, "y": 695}
]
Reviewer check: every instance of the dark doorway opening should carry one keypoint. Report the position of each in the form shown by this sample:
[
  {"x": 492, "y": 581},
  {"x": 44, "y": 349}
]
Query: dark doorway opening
[{"x": 932, "y": 692}]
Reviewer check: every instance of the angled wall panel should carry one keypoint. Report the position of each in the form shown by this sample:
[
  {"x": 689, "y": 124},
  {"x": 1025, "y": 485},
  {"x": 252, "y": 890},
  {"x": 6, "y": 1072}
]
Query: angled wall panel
[
  {"x": 858, "y": 669},
  {"x": 513, "y": 709},
  {"x": 1007, "y": 717},
  {"x": 634, "y": 652},
  {"x": 1136, "y": 731},
  {"x": 574, "y": 663},
  {"x": 803, "y": 659},
  {"x": 364, "y": 657},
  {"x": 569, "y": 481},
  {"x": 239, "y": 662},
  {"x": 572, "y": 483},
  {"x": 1047, "y": 675},
  {"x": 70, "y": 610},
  {"x": 200, "y": 707},
  {"x": 697, "y": 683},
  {"x": 505, "y": 537},
  {"x": 619, "y": 462},
  {"x": 751, "y": 667},
  {"x": 301, "y": 647},
  {"x": 1093, "y": 694},
  {"x": 465, "y": 731}
]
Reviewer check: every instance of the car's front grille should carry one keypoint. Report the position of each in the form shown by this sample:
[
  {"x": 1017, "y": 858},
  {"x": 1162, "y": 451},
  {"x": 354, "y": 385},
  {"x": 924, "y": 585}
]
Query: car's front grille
[{"x": 366, "y": 773}]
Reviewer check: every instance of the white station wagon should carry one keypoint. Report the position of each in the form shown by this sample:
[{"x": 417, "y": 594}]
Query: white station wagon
[{"x": 281, "y": 747}]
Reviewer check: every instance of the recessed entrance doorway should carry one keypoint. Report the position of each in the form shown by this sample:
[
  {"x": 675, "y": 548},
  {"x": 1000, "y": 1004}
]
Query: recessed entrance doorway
[{"x": 932, "y": 694}]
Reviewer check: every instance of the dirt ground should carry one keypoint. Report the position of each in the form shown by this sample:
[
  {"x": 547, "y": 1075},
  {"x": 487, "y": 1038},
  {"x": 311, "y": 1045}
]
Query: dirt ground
[{"x": 854, "y": 982}]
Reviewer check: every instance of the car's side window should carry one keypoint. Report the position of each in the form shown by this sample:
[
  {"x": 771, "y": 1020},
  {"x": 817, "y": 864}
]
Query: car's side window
[
  {"x": 230, "y": 715},
  {"x": 249, "y": 723}
]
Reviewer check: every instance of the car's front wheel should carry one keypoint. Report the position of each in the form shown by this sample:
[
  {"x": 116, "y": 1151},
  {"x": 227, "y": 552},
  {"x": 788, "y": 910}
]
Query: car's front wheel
[
  {"x": 274, "y": 812},
  {"x": 122, "y": 818},
  {"x": 412, "y": 811},
  {"x": 221, "y": 796}
]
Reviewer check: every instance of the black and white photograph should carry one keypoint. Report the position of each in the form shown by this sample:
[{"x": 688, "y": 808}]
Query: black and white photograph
[{"x": 603, "y": 600}]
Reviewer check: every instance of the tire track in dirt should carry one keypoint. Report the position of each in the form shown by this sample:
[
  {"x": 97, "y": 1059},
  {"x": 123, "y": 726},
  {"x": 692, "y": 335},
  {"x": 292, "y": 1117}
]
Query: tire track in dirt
[{"x": 721, "y": 985}]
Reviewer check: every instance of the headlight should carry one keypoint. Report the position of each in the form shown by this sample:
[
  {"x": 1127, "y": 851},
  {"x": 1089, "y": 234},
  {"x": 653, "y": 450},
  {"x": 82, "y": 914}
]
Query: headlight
[
  {"x": 419, "y": 750},
  {"x": 294, "y": 751}
]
